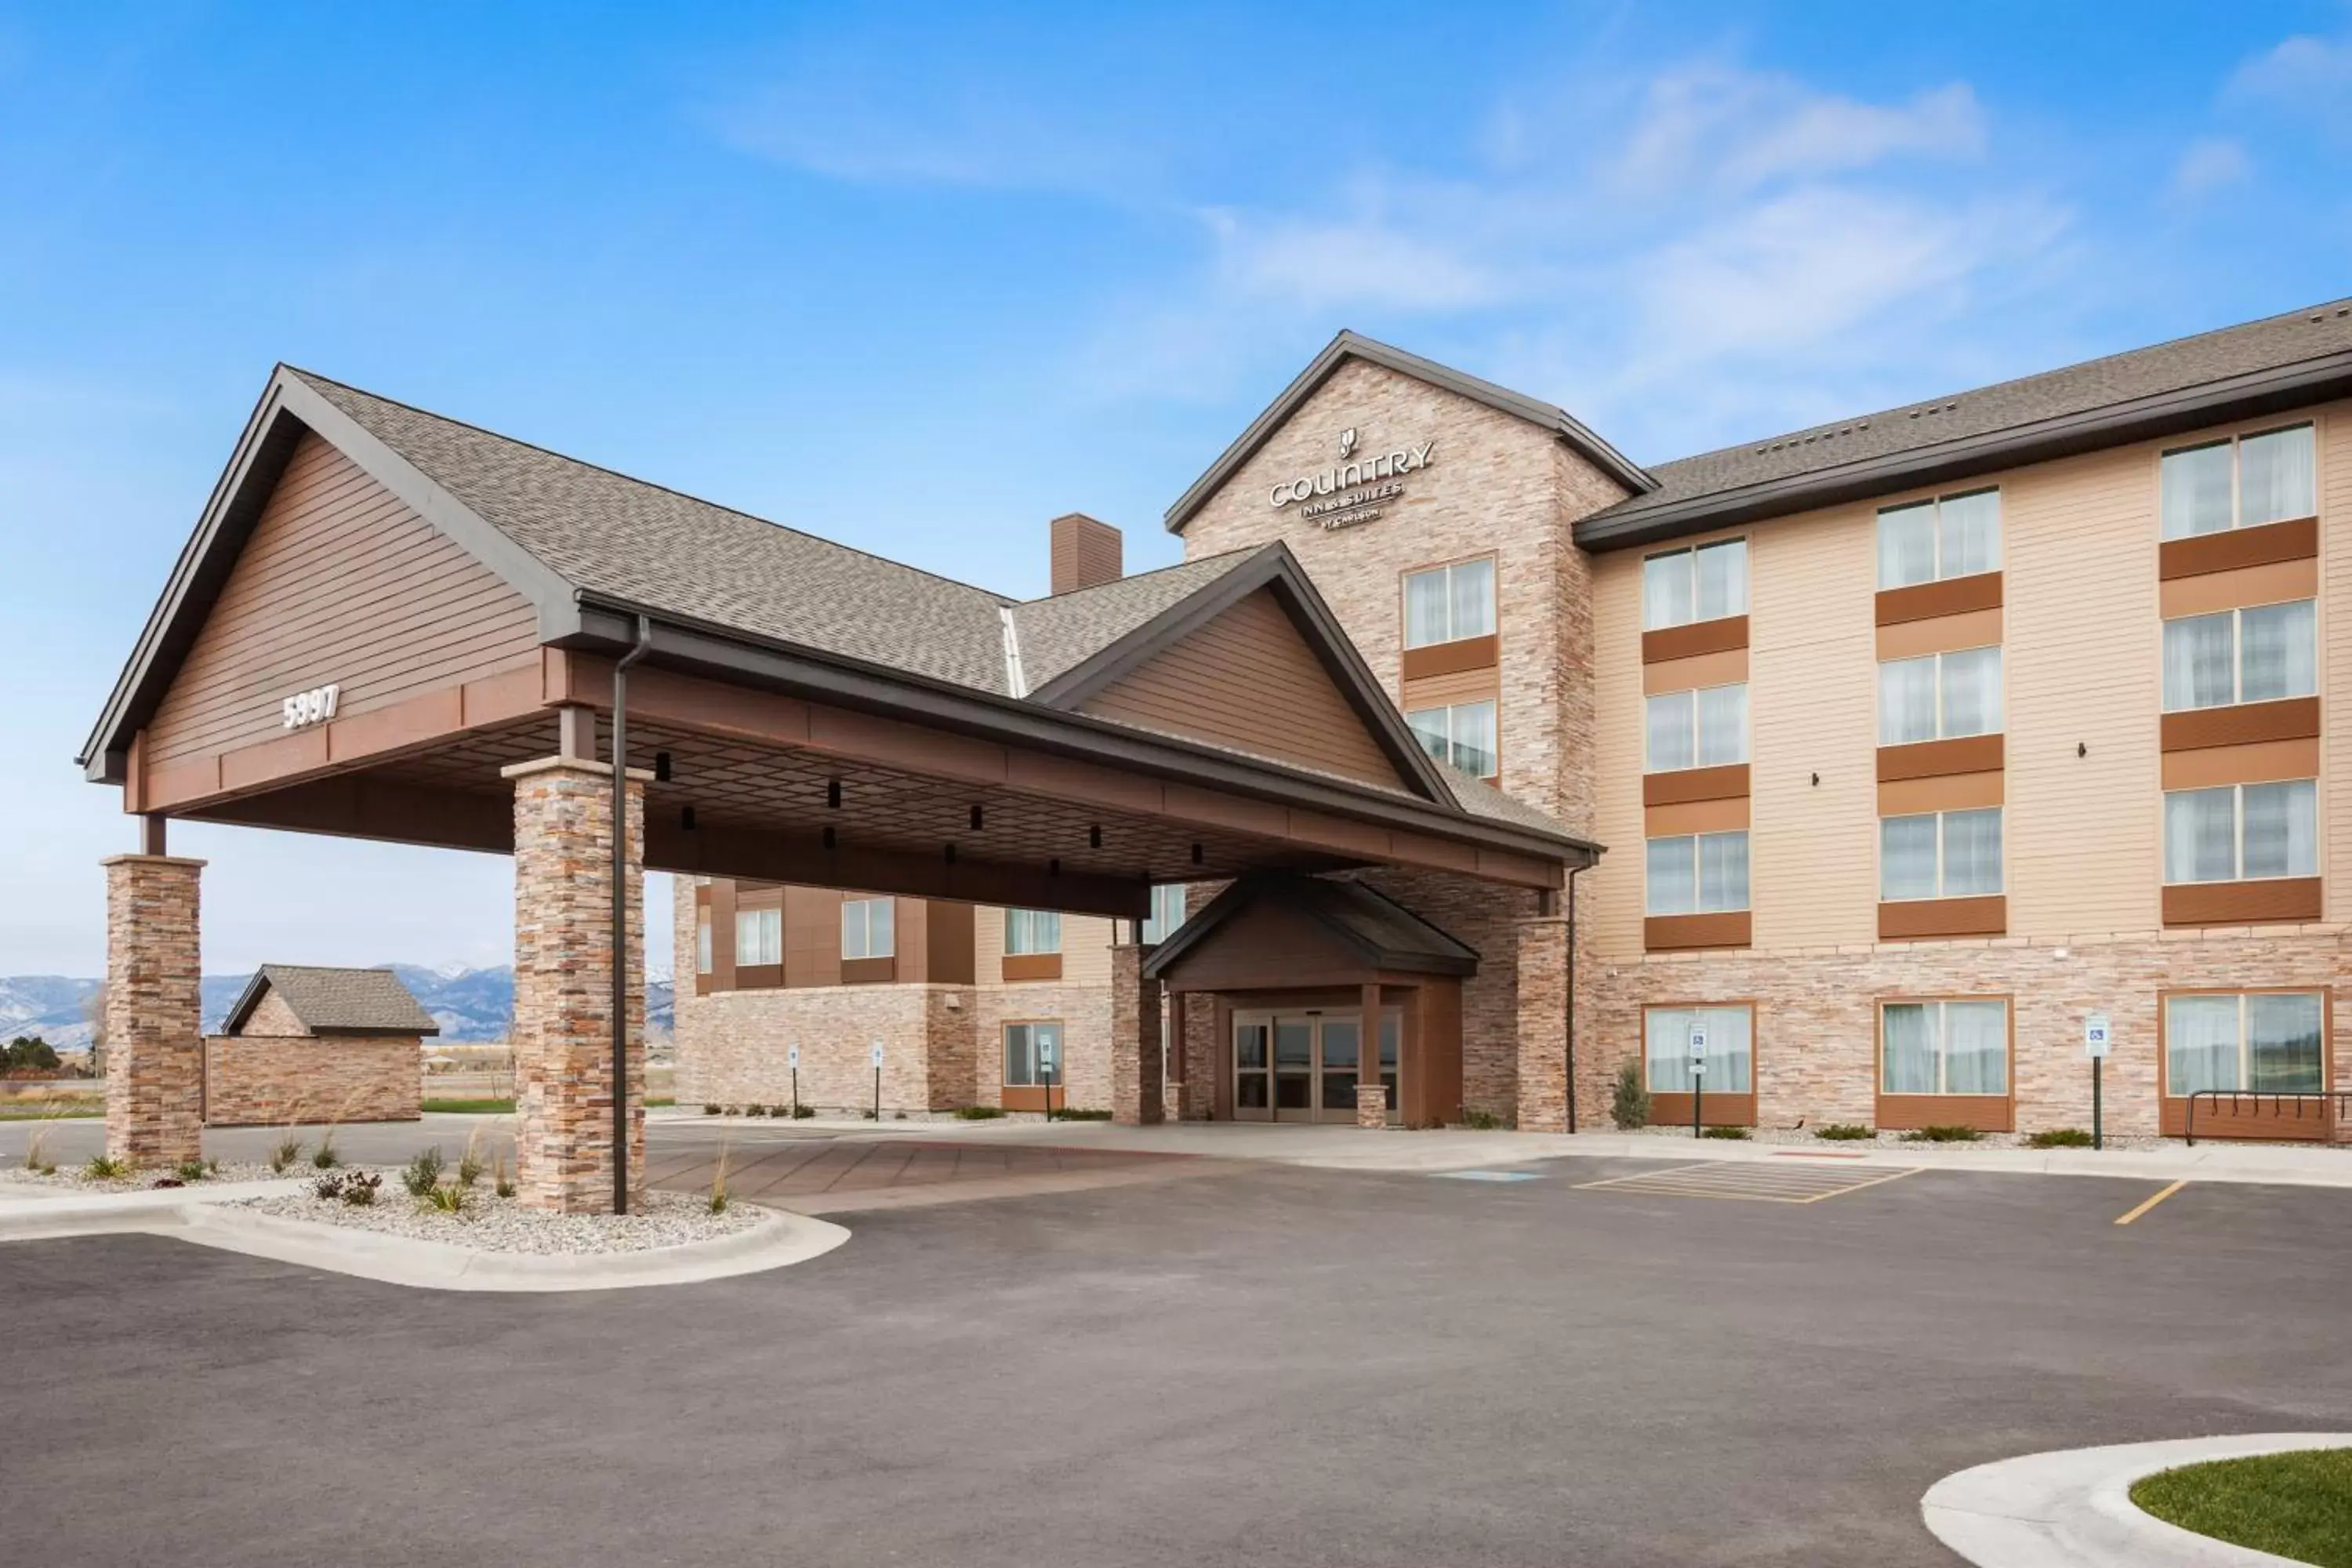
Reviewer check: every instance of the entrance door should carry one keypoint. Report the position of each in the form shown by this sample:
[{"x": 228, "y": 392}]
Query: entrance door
[{"x": 1301, "y": 1066}]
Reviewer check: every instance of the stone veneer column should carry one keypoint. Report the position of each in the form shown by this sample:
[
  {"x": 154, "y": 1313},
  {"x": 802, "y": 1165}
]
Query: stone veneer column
[
  {"x": 564, "y": 985},
  {"x": 154, "y": 1010},
  {"x": 1135, "y": 1045},
  {"x": 1543, "y": 1024}
]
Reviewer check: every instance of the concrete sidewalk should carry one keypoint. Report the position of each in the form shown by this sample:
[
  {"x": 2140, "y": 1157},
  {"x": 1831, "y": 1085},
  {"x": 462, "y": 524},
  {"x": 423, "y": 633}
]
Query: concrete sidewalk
[{"x": 1353, "y": 1149}]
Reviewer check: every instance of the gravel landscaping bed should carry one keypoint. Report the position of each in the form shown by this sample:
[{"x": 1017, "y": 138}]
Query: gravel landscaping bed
[
  {"x": 492, "y": 1224},
  {"x": 70, "y": 1174},
  {"x": 1806, "y": 1136}
]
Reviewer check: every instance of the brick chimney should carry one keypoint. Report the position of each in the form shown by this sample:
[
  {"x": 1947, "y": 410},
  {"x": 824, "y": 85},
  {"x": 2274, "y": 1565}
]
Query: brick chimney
[{"x": 1086, "y": 554}]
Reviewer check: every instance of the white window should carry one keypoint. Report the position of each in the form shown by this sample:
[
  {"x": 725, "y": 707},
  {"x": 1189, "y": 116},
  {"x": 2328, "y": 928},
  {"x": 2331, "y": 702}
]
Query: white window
[
  {"x": 1032, "y": 930},
  {"x": 1939, "y": 855},
  {"x": 2239, "y": 832},
  {"x": 1939, "y": 696},
  {"x": 1462, "y": 735},
  {"x": 1952, "y": 536},
  {"x": 1730, "y": 1049},
  {"x": 1697, "y": 729},
  {"x": 2240, "y": 483},
  {"x": 759, "y": 936},
  {"x": 867, "y": 928},
  {"x": 1033, "y": 1054},
  {"x": 1708, "y": 583},
  {"x": 1167, "y": 913},
  {"x": 1447, "y": 604},
  {"x": 1698, "y": 874},
  {"x": 702, "y": 943},
  {"x": 1944, "y": 1048},
  {"x": 2271, "y": 1041},
  {"x": 2241, "y": 656}
]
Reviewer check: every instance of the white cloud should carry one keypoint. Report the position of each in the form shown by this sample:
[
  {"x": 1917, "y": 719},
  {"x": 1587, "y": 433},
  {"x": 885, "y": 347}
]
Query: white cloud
[
  {"x": 2209, "y": 164},
  {"x": 1733, "y": 130},
  {"x": 2303, "y": 72}
]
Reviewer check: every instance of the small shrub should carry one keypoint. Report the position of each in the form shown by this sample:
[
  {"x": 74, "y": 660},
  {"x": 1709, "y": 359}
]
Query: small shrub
[
  {"x": 469, "y": 1163},
  {"x": 1734, "y": 1133},
  {"x": 780, "y": 1111},
  {"x": 447, "y": 1198},
  {"x": 424, "y": 1172},
  {"x": 871, "y": 1115},
  {"x": 714, "y": 1109},
  {"x": 107, "y": 1167},
  {"x": 326, "y": 1156},
  {"x": 359, "y": 1188},
  {"x": 2060, "y": 1138},
  {"x": 500, "y": 1182},
  {"x": 1844, "y": 1131},
  {"x": 167, "y": 1181},
  {"x": 898, "y": 1116},
  {"x": 978, "y": 1112},
  {"x": 755, "y": 1111},
  {"x": 288, "y": 1150},
  {"x": 1067, "y": 1114},
  {"x": 327, "y": 1189},
  {"x": 212, "y": 1167},
  {"x": 1943, "y": 1135},
  {"x": 1481, "y": 1121},
  {"x": 1629, "y": 1101},
  {"x": 800, "y": 1111},
  {"x": 190, "y": 1171}
]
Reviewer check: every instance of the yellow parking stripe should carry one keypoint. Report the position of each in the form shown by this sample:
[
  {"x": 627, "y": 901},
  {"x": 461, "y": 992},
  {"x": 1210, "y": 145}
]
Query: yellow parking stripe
[
  {"x": 1741, "y": 1182},
  {"x": 2151, "y": 1203}
]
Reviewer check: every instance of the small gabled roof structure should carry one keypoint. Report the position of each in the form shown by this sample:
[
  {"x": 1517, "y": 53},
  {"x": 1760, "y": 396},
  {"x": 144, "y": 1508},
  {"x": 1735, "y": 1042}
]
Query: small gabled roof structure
[
  {"x": 1383, "y": 933},
  {"x": 1349, "y": 345},
  {"x": 334, "y": 1001}
]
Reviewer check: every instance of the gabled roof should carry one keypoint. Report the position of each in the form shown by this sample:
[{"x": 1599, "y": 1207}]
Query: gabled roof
[
  {"x": 1349, "y": 345},
  {"x": 2242, "y": 372},
  {"x": 335, "y": 1001},
  {"x": 1208, "y": 594},
  {"x": 1376, "y": 928}
]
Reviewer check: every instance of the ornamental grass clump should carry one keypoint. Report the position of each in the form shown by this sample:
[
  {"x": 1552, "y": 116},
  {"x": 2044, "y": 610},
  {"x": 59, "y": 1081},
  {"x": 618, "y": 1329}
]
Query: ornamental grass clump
[
  {"x": 1943, "y": 1135},
  {"x": 36, "y": 1153},
  {"x": 500, "y": 1182},
  {"x": 718, "y": 1199},
  {"x": 191, "y": 1171},
  {"x": 2060, "y": 1138},
  {"x": 469, "y": 1163},
  {"x": 106, "y": 1168},
  {"x": 1842, "y": 1132},
  {"x": 448, "y": 1198}
]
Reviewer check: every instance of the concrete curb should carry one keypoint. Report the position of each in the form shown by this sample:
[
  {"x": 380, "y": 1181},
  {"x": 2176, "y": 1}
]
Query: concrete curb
[
  {"x": 2072, "y": 1508},
  {"x": 780, "y": 1239}
]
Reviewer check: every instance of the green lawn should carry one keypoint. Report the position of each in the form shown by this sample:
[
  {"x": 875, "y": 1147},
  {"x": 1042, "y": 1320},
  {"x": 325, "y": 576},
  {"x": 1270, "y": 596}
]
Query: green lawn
[
  {"x": 35, "y": 1112},
  {"x": 2298, "y": 1506},
  {"x": 502, "y": 1107}
]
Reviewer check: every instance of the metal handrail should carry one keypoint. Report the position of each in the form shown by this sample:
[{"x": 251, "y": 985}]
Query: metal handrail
[{"x": 2335, "y": 1100}]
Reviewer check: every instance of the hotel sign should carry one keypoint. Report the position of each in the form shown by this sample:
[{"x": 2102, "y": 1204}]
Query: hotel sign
[{"x": 1350, "y": 492}]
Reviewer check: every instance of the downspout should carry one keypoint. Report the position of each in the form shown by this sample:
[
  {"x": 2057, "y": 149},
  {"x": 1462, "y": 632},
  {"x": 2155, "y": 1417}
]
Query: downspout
[
  {"x": 621, "y": 914},
  {"x": 1572, "y": 874}
]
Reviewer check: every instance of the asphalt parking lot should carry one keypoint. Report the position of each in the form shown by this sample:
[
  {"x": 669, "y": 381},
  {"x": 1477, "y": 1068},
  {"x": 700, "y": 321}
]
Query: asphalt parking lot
[{"x": 1267, "y": 1365}]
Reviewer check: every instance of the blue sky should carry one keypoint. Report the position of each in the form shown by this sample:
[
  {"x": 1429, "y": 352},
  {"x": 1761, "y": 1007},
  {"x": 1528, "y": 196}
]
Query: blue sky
[{"x": 919, "y": 277}]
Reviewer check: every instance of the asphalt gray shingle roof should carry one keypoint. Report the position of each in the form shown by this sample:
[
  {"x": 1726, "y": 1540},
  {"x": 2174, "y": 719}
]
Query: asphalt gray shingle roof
[
  {"x": 346, "y": 1001},
  {"x": 2184, "y": 363},
  {"x": 1059, "y": 633}
]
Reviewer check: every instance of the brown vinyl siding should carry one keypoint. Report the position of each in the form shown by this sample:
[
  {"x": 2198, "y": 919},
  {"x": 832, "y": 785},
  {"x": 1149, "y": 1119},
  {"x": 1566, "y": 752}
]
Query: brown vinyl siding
[
  {"x": 2269, "y": 900},
  {"x": 1677, "y": 933},
  {"x": 1681, "y": 784},
  {"x": 341, "y": 583},
  {"x": 1950, "y": 596},
  {"x": 1910, "y": 1112},
  {"x": 1450, "y": 658},
  {"x": 1020, "y": 966},
  {"x": 1248, "y": 680},
  {"x": 1937, "y": 759},
  {"x": 1919, "y": 920},
  {"x": 2335, "y": 454},
  {"x": 1688, "y": 641},
  {"x": 2238, "y": 548},
  {"x": 2241, "y": 725}
]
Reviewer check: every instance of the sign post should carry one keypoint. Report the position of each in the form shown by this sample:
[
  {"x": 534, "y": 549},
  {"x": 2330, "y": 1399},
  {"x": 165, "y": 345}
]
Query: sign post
[
  {"x": 877, "y": 1080},
  {"x": 1045, "y": 1065},
  {"x": 1698, "y": 1075},
  {"x": 792, "y": 1061},
  {"x": 2099, "y": 1039}
]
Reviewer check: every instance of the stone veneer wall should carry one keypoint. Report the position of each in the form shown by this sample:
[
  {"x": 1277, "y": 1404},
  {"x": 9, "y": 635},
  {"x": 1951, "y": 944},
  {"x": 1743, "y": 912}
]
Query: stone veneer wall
[
  {"x": 154, "y": 1010},
  {"x": 1084, "y": 1013},
  {"x": 732, "y": 1046},
  {"x": 267, "y": 1079},
  {"x": 1815, "y": 1029}
]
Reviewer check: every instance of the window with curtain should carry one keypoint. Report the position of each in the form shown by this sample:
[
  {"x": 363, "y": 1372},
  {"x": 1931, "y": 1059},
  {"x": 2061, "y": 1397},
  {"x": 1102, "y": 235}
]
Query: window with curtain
[
  {"x": 2241, "y": 832},
  {"x": 1706, "y": 583},
  {"x": 759, "y": 936},
  {"x": 1697, "y": 729},
  {"x": 1944, "y": 1048},
  {"x": 1462, "y": 735},
  {"x": 2243, "y": 482},
  {"x": 1032, "y": 1053},
  {"x": 1697, "y": 873},
  {"x": 1951, "y": 536},
  {"x": 2257, "y": 654},
  {"x": 1939, "y": 697},
  {"x": 1447, "y": 604},
  {"x": 1032, "y": 930},
  {"x": 1939, "y": 855},
  {"x": 1167, "y": 911},
  {"x": 867, "y": 928},
  {"x": 702, "y": 943},
  {"x": 1730, "y": 1049},
  {"x": 2270, "y": 1041}
]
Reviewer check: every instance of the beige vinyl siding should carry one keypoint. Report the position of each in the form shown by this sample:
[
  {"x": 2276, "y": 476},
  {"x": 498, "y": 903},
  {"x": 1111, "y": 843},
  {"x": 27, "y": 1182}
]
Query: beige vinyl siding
[
  {"x": 1609, "y": 895},
  {"x": 1812, "y": 707},
  {"x": 1086, "y": 947},
  {"x": 340, "y": 582},
  {"x": 2335, "y": 657},
  {"x": 2083, "y": 667}
]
